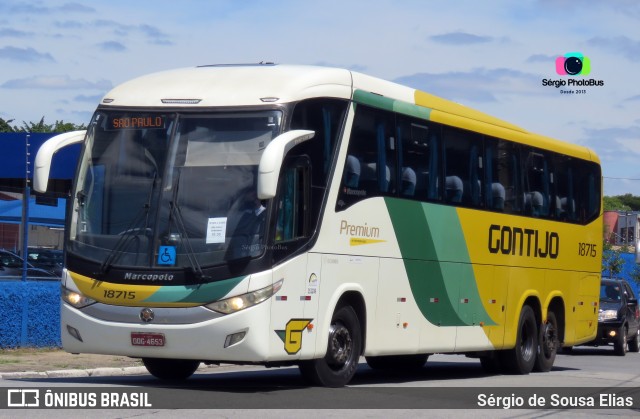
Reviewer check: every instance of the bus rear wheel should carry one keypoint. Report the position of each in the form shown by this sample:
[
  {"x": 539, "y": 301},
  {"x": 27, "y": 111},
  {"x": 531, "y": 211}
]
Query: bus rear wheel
[
  {"x": 548, "y": 343},
  {"x": 339, "y": 364},
  {"x": 171, "y": 369},
  {"x": 521, "y": 359}
]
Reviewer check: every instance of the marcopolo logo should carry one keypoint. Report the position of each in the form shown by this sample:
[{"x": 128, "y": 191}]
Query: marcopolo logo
[{"x": 573, "y": 64}]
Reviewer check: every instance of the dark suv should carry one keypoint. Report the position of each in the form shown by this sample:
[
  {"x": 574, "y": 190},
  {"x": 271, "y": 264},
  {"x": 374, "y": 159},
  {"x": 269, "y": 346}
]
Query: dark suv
[
  {"x": 619, "y": 316},
  {"x": 11, "y": 266}
]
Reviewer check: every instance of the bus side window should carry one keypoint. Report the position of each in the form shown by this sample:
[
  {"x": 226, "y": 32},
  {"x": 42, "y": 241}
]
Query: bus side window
[
  {"x": 563, "y": 197},
  {"x": 462, "y": 167},
  {"x": 536, "y": 183},
  {"x": 418, "y": 159},
  {"x": 587, "y": 177},
  {"x": 502, "y": 191},
  {"x": 370, "y": 167}
]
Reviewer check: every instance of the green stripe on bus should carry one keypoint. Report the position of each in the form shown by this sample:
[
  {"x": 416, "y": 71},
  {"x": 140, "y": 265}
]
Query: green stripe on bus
[
  {"x": 439, "y": 251},
  {"x": 381, "y": 102},
  {"x": 202, "y": 293}
]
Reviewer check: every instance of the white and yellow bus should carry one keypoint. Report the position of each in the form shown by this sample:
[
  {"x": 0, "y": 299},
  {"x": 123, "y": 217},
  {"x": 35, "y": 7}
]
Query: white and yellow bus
[{"x": 297, "y": 215}]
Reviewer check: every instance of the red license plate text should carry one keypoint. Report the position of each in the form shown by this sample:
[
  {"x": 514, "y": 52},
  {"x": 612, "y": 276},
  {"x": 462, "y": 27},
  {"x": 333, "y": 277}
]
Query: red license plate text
[{"x": 147, "y": 339}]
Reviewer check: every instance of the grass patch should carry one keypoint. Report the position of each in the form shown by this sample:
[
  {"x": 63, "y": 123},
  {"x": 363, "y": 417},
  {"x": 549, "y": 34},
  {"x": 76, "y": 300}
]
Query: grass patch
[{"x": 27, "y": 351}]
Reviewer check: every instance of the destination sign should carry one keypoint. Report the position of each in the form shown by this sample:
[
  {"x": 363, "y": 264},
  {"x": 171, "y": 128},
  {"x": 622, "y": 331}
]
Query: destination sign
[{"x": 136, "y": 122}]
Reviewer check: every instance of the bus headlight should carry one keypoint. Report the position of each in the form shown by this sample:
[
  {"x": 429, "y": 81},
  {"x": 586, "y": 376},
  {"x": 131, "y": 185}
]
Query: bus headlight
[
  {"x": 607, "y": 315},
  {"x": 75, "y": 298},
  {"x": 240, "y": 302}
]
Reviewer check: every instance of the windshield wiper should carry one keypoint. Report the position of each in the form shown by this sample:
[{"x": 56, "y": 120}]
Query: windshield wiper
[
  {"x": 130, "y": 232},
  {"x": 174, "y": 211}
]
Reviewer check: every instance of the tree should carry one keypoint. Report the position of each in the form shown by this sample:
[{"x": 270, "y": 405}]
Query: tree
[
  {"x": 61, "y": 126},
  {"x": 612, "y": 261},
  {"x": 626, "y": 202},
  {"x": 631, "y": 201},
  {"x": 613, "y": 203},
  {"x": 635, "y": 274},
  {"x": 40, "y": 126},
  {"x": 36, "y": 127},
  {"x": 4, "y": 125}
]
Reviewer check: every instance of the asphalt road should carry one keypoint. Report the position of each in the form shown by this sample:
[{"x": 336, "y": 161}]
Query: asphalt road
[{"x": 446, "y": 385}]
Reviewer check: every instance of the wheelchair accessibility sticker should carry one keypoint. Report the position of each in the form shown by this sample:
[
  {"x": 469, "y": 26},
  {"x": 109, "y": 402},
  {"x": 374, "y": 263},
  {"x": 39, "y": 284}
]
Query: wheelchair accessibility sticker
[{"x": 167, "y": 255}]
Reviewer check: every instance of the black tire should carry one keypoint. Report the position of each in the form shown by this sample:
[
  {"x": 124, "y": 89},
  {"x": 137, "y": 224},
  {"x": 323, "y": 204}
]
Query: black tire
[
  {"x": 548, "y": 343},
  {"x": 634, "y": 342},
  {"x": 521, "y": 359},
  {"x": 397, "y": 362},
  {"x": 171, "y": 369},
  {"x": 344, "y": 347},
  {"x": 620, "y": 345}
]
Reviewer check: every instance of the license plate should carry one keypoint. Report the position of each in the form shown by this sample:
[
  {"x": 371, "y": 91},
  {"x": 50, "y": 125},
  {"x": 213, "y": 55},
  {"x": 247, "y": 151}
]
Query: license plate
[{"x": 147, "y": 339}]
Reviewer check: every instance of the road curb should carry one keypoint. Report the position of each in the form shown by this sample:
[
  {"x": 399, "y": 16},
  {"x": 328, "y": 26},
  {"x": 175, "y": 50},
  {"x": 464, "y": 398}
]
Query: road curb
[
  {"x": 75, "y": 373},
  {"x": 93, "y": 372}
]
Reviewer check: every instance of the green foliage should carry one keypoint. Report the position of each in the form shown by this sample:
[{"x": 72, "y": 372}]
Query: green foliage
[
  {"x": 612, "y": 261},
  {"x": 613, "y": 203},
  {"x": 635, "y": 274},
  {"x": 626, "y": 202},
  {"x": 4, "y": 125},
  {"x": 40, "y": 126}
]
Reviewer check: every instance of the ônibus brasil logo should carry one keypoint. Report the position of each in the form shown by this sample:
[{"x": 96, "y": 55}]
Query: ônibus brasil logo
[{"x": 573, "y": 65}]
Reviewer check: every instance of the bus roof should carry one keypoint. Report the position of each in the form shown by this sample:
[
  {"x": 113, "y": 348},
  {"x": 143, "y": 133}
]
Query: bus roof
[
  {"x": 259, "y": 84},
  {"x": 231, "y": 85}
]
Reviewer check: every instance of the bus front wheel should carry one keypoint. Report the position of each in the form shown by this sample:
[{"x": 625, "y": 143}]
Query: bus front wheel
[
  {"x": 171, "y": 369},
  {"x": 343, "y": 352},
  {"x": 521, "y": 359}
]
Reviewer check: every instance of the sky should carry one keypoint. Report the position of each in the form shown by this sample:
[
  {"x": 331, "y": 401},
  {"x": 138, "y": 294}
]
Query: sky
[{"x": 58, "y": 58}]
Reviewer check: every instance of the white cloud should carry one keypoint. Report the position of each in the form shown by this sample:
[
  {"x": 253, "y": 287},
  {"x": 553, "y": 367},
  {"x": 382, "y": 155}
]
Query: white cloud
[
  {"x": 24, "y": 54},
  {"x": 112, "y": 46},
  {"x": 14, "y": 33},
  {"x": 56, "y": 83},
  {"x": 628, "y": 47},
  {"x": 476, "y": 85},
  {"x": 36, "y": 8},
  {"x": 460, "y": 38}
]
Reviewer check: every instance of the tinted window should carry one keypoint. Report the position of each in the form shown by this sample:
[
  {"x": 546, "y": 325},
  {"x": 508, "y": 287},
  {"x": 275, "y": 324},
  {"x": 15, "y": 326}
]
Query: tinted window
[
  {"x": 503, "y": 180},
  {"x": 436, "y": 162},
  {"x": 370, "y": 168},
  {"x": 419, "y": 159},
  {"x": 463, "y": 177}
]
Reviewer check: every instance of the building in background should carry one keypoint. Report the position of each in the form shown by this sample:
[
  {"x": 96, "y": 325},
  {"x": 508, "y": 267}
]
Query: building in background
[{"x": 621, "y": 227}]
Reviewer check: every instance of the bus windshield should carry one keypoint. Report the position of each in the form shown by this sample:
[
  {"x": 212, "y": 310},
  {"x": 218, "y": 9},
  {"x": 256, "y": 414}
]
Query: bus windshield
[{"x": 170, "y": 190}]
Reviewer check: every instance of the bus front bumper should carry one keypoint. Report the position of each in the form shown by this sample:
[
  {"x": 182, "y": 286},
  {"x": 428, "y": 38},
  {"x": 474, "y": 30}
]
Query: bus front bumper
[{"x": 239, "y": 337}]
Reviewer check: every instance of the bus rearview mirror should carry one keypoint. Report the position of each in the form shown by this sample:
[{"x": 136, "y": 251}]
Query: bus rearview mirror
[
  {"x": 45, "y": 155},
  {"x": 272, "y": 157}
]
